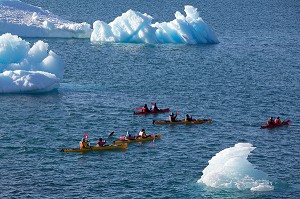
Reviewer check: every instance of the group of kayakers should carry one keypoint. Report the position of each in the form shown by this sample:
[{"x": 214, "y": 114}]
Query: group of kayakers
[
  {"x": 272, "y": 121},
  {"x": 85, "y": 143}
]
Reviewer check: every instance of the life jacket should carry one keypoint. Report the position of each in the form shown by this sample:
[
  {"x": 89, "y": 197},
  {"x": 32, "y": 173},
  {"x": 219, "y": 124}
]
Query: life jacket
[
  {"x": 83, "y": 145},
  {"x": 101, "y": 143},
  {"x": 123, "y": 137},
  {"x": 141, "y": 133},
  {"x": 277, "y": 121}
]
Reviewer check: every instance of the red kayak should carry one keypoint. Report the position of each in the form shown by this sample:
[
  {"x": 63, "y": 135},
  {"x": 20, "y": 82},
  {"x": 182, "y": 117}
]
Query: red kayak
[
  {"x": 276, "y": 125},
  {"x": 153, "y": 111}
]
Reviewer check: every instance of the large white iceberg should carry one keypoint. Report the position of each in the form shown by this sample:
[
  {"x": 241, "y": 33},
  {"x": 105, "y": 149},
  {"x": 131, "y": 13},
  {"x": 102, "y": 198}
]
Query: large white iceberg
[
  {"x": 135, "y": 27},
  {"x": 28, "y": 69},
  {"x": 26, "y": 20},
  {"x": 231, "y": 169}
]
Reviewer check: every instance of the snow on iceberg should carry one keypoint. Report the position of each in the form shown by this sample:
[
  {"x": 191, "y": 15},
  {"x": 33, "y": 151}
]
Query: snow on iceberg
[
  {"x": 231, "y": 169},
  {"x": 135, "y": 27},
  {"x": 24, "y": 69},
  {"x": 26, "y": 20}
]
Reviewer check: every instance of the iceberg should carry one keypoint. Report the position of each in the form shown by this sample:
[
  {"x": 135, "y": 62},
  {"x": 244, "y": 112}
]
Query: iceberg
[
  {"x": 26, "y": 20},
  {"x": 135, "y": 27},
  {"x": 231, "y": 169},
  {"x": 28, "y": 69}
]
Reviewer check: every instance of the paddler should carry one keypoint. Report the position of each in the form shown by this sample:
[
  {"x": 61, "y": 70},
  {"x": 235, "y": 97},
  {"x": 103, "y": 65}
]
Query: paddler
[
  {"x": 172, "y": 117},
  {"x": 84, "y": 143},
  {"x": 145, "y": 109},
  {"x": 142, "y": 134},
  {"x": 101, "y": 142},
  {"x": 277, "y": 121},
  {"x": 154, "y": 107},
  {"x": 188, "y": 117},
  {"x": 270, "y": 121}
]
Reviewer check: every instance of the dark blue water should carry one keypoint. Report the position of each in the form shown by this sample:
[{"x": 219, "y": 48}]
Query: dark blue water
[{"x": 253, "y": 73}]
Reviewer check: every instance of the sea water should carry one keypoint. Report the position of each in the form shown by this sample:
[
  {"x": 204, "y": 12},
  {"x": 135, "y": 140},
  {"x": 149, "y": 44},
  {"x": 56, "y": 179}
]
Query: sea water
[{"x": 253, "y": 73}]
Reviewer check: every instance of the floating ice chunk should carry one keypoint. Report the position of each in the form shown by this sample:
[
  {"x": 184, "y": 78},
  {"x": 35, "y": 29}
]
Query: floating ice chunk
[
  {"x": 230, "y": 169},
  {"x": 20, "y": 81},
  {"x": 25, "y": 69},
  {"x": 26, "y": 20},
  {"x": 135, "y": 27},
  {"x": 131, "y": 27}
]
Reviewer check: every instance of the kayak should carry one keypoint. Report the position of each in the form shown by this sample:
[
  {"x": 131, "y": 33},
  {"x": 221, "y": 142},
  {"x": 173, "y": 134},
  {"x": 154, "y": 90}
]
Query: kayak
[
  {"x": 196, "y": 121},
  {"x": 153, "y": 111},
  {"x": 276, "y": 125},
  {"x": 97, "y": 148},
  {"x": 149, "y": 138}
]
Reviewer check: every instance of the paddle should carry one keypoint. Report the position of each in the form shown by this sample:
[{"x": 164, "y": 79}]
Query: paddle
[
  {"x": 138, "y": 108},
  {"x": 110, "y": 134}
]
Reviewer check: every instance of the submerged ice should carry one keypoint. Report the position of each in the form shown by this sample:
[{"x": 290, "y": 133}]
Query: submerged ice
[
  {"x": 135, "y": 27},
  {"x": 25, "y": 20},
  {"x": 231, "y": 169},
  {"x": 28, "y": 69}
]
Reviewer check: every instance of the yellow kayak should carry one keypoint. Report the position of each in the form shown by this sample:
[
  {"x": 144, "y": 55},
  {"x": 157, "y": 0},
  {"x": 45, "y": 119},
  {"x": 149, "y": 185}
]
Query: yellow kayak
[
  {"x": 196, "y": 121},
  {"x": 149, "y": 138},
  {"x": 97, "y": 148}
]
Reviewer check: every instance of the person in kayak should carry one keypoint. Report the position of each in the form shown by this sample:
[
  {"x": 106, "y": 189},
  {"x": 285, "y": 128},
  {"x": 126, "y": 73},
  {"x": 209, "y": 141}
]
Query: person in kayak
[
  {"x": 188, "y": 117},
  {"x": 145, "y": 109},
  {"x": 84, "y": 143},
  {"x": 270, "y": 121},
  {"x": 128, "y": 136},
  {"x": 172, "y": 117},
  {"x": 277, "y": 121},
  {"x": 154, "y": 107},
  {"x": 101, "y": 142},
  {"x": 142, "y": 134}
]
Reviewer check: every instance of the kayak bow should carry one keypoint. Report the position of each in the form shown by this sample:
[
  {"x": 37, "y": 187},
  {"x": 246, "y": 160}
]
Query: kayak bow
[{"x": 97, "y": 148}]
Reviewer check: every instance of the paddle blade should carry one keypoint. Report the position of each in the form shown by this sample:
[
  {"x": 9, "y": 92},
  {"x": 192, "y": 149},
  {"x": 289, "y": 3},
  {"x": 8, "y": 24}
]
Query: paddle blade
[
  {"x": 111, "y": 134},
  {"x": 138, "y": 108},
  {"x": 86, "y": 135},
  {"x": 153, "y": 136}
]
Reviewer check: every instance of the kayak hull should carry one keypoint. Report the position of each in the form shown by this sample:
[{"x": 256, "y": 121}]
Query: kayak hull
[
  {"x": 284, "y": 123},
  {"x": 196, "y": 121},
  {"x": 150, "y": 138},
  {"x": 153, "y": 112},
  {"x": 97, "y": 148}
]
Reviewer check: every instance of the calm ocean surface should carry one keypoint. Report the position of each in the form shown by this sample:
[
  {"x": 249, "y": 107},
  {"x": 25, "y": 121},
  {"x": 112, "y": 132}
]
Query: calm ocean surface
[{"x": 253, "y": 73}]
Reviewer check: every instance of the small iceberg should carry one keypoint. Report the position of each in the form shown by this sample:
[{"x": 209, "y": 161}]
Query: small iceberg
[
  {"x": 230, "y": 169},
  {"x": 26, "y": 69}
]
